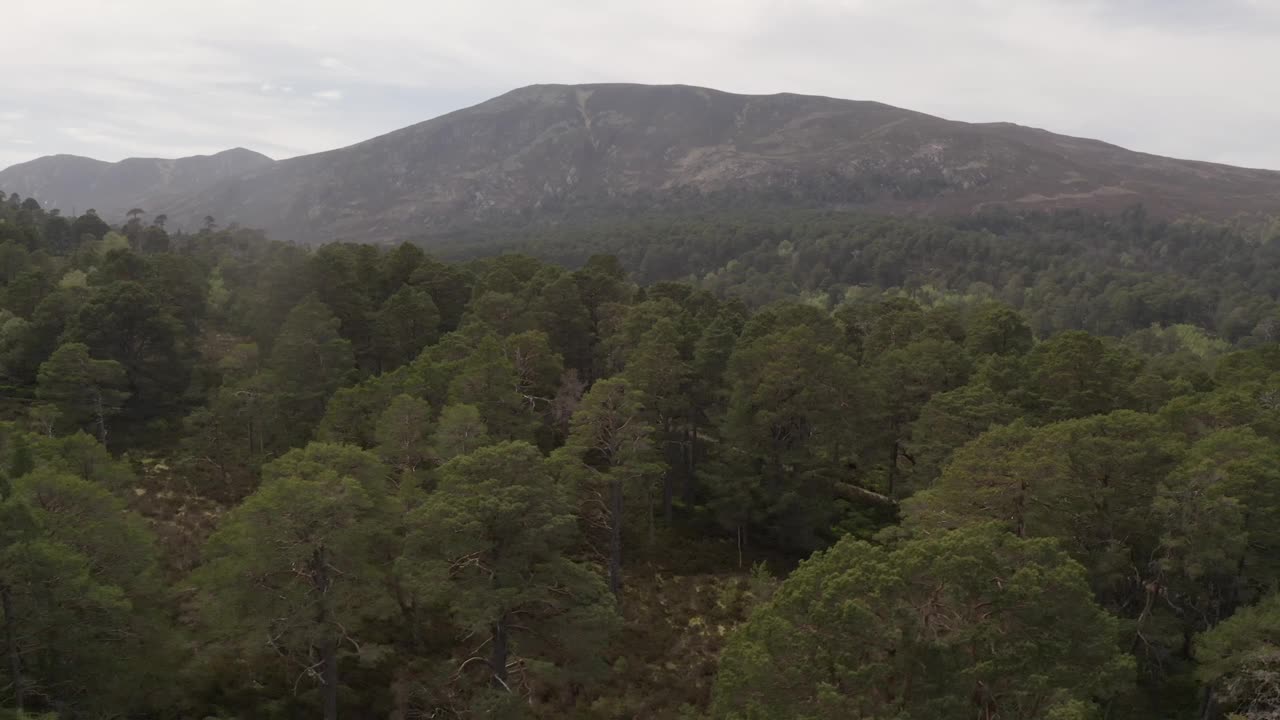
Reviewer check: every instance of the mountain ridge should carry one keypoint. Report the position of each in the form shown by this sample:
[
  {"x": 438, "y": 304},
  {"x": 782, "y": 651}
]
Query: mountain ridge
[
  {"x": 76, "y": 183},
  {"x": 552, "y": 150}
]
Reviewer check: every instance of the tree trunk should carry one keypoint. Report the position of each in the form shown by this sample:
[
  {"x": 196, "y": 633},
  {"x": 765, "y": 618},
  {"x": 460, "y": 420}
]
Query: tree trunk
[
  {"x": 11, "y": 648},
  {"x": 671, "y": 452},
  {"x": 401, "y": 695},
  {"x": 651, "y": 514},
  {"x": 329, "y": 678},
  {"x": 739, "y": 543},
  {"x": 328, "y": 646},
  {"x": 857, "y": 494},
  {"x": 690, "y": 476},
  {"x": 893, "y": 469},
  {"x": 668, "y": 494},
  {"x": 1020, "y": 529},
  {"x": 615, "y": 536},
  {"x": 102, "y": 416},
  {"x": 498, "y": 655},
  {"x": 1208, "y": 705}
]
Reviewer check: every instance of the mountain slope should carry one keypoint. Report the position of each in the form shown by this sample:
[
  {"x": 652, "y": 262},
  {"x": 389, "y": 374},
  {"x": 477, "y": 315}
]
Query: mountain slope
[
  {"x": 548, "y": 150},
  {"x": 74, "y": 183},
  {"x": 553, "y": 147}
]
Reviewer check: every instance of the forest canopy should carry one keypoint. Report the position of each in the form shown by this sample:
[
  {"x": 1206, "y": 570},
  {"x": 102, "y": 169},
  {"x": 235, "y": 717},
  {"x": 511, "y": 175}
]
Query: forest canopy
[{"x": 753, "y": 467}]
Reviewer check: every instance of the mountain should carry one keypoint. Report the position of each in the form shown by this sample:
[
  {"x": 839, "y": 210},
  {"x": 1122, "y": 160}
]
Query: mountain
[
  {"x": 74, "y": 183},
  {"x": 556, "y": 150}
]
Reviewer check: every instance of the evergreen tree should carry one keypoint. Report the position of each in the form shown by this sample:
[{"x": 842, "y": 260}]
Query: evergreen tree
[
  {"x": 406, "y": 323},
  {"x": 85, "y": 392},
  {"x": 309, "y": 361},
  {"x": 294, "y": 570},
  {"x": 973, "y": 623},
  {"x": 79, "y": 586},
  {"x": 492, "y": 542},
  {"x": 610, "y": 448}
]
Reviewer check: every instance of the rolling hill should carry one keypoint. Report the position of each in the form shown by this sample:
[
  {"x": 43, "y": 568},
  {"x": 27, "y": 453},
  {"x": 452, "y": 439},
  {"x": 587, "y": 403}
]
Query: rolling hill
[{"x": 74, "y": 184}]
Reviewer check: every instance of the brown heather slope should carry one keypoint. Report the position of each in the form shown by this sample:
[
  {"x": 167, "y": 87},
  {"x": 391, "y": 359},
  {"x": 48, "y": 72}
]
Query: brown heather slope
[{"x": 548, "y": 150}]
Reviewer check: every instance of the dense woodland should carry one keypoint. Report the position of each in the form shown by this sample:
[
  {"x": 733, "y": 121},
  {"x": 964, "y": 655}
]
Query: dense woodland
[
  {"x": 802, "y": 465},
  {"x": 1068, "y": 270}
]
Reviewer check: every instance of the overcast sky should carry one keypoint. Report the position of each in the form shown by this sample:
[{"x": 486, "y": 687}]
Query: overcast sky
[{"x": 116, "y": 78}]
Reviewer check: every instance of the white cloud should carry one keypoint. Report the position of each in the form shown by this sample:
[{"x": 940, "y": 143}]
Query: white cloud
[
  {"x": 1176, "y": 77},
  {"x": 87, "y": 135},
  {"x": 333, "y": 63}
]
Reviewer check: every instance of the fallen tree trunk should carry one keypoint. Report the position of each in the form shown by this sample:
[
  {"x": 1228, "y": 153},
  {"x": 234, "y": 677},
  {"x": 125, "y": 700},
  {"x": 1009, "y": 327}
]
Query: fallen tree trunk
[{"x": 857, "y": 494}]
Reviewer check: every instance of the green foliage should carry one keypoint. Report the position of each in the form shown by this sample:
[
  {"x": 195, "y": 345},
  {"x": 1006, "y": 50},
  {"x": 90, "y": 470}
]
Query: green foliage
[
  {"x": 491, "y": 543},
  {"x": 309, "y": 361},
  {"x": 1089, "y": 483},
  {"x": 793, "y": 398},
  {"x": 86, "y": 392},
  {"x": 948, "y": 421},
  {"x": 488, "y": 378},
  {"x": 461, "y": 431},
  {"x": 1076, "y": 374},
  {"x": 403, "y": 434},
  {"x": 111, "y": 242},
  {"x": 1066, "y": 270},
  {"x": 1239, "y": 658},
  {"x": 130, "y": 324},
  {"x": 970, "y": 623},
  {"x": 294, "y": 571},
  {"x": 81, "y": 596},
  {"x": 388, "y": 470},
  {"x": 73, "y": 279},
  {"x": 81, "y": 456},
  {"x": 610, "y": 453},
  {"x": 1220, "y": 510},
  {"x": 406, "y": 323},
  {"x": 998, "y": 330}
]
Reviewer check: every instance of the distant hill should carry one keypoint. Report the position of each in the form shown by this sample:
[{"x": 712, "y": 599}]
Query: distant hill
[
  {"x": 552, "y": 150},
  {"x": 74, "y": 183}
]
